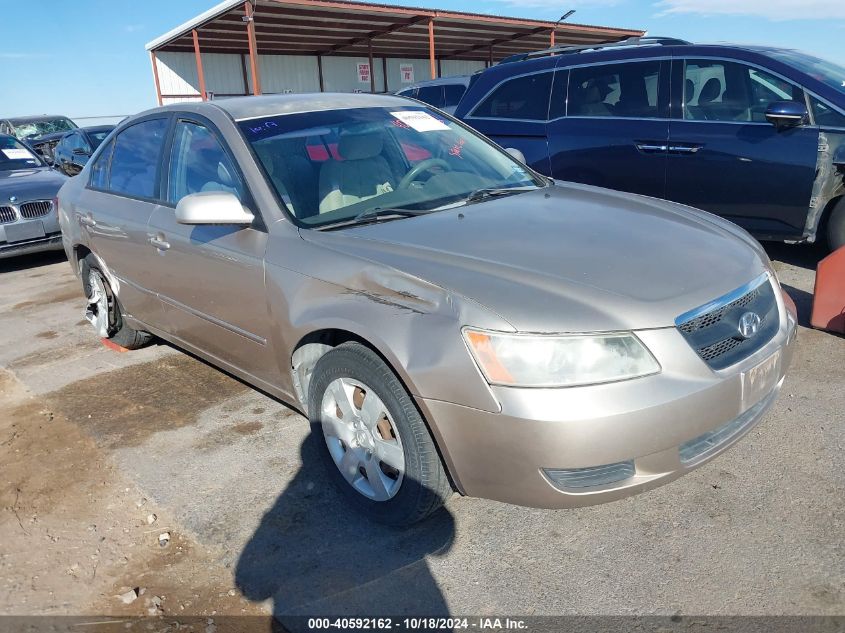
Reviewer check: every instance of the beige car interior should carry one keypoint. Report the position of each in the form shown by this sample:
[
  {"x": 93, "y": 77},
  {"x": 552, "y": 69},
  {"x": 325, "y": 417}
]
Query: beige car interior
[{"x": 362, "y": 174}]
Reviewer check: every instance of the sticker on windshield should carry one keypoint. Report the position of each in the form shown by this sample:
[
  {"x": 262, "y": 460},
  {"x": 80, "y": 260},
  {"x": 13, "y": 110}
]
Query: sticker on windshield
[
  {"x": 17, "y": 154},
  {"x": 420, "y": 121}
]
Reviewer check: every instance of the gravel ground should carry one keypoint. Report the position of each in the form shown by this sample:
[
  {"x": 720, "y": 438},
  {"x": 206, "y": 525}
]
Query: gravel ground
[{"x": 93, "y": 442}]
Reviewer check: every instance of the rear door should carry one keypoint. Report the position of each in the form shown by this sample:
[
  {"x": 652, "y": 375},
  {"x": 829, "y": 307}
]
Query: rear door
[
  {"x": 514, "y": 114},
  {"x": 211, "y": 277},
  {"x": 114, "y": 208},
  {"x": 726, "y": 158},
  {"x": 610, "y": 125}
]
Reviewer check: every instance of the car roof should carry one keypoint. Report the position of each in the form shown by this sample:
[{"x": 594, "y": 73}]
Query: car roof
[
  {"x": 626, "y": 49},
  {"x": 32, "y": 118},
  {"x": 441, "y": 81},
  {"x": 98, "y": 128},
  {"x": 244, "y": 108}
]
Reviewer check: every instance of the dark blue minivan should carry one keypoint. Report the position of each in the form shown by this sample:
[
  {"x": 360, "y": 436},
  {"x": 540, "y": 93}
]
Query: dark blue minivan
[{"x": 754, "y": 134}]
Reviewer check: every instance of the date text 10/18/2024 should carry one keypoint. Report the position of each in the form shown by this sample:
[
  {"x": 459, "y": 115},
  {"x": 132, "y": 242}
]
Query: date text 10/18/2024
[{"x": 417, "y": 624}]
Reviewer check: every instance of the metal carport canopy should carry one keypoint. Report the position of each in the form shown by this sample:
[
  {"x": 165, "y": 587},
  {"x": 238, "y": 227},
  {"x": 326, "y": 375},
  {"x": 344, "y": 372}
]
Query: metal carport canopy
[{"x": 340, "y": 27}]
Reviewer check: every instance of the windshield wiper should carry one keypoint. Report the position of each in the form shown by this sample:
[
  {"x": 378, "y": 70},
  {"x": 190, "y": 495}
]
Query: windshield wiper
[
  {"x": 375, "y": 214},
  {"x": 482, "y": 194}
]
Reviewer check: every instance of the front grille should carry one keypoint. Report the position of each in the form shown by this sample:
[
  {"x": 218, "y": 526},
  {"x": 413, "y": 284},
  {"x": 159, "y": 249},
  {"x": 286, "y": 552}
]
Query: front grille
[
  {"x": 36, "y": 209},
  {"x": 713, "y": 330},
  {"x": 7, "y": 215}
]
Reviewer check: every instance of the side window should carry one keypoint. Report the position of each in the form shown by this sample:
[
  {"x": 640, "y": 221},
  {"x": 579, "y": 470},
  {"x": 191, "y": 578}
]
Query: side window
[
  {"x": 198, "y": 163},
  {"x": 454, "y": 92},
  {"x": 525, "y": 97},
  {"x": 432, "y": 95},
  {"x": 729, "y": 91},
  {"x": 136, "y": 157},
  {"x": 100, "y": 168},
  {"x": 825, "y": 115},
  {"x": 615, "y": 90},
  {"x": 75, "y": 141}
]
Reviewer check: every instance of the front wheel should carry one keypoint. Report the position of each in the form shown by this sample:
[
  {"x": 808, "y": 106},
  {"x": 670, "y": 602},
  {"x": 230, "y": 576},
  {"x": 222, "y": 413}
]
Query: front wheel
[
  {"x": 836, "y": 226},
  {"x": 380, "y": 452},
  {"x": 103, "y": 309}
]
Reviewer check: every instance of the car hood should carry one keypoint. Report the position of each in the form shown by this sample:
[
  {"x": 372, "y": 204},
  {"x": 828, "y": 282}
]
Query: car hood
[
  {"x": 44, "y": 138},
  {"x": 568, "y": 258},
  {"x": 30, "y": 184}
]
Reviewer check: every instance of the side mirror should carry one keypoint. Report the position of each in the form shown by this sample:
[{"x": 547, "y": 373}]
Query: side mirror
[
  {"x": 515, "y": 153},
  {"x": 787, "y": 114},
  {"x": 212, "y": 207}
]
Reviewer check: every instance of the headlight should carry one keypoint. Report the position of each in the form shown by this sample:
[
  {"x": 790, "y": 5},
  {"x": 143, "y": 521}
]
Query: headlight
[{"x": 531, "y": 360}]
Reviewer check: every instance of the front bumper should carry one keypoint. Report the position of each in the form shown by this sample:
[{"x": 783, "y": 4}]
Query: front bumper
[
  {"x": 46, "y": 243},
  {"x": 545, "y": 444},
  {"x": 46, "y": 234}
]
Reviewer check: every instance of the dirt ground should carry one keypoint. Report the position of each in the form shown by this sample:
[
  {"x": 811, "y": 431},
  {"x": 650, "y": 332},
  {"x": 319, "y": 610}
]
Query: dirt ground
[{"x": 102, "y": 453}]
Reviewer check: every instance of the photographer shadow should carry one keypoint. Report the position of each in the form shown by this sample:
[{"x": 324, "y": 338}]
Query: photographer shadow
[{"x": 314, "y": 556}]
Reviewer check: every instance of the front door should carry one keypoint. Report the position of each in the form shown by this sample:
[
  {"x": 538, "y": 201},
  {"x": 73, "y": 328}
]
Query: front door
[
  {"x": 211, "y": 277},
  {"x": 726, "y": 158},
  {"x": 613, "y": 132}
]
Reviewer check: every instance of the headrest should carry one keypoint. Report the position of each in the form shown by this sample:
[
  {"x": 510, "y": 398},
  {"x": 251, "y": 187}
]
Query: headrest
[
  {"x": 360, "y": 146},
  {"x": 711, "y": 91},
  {"x": 689, "y": 90}
]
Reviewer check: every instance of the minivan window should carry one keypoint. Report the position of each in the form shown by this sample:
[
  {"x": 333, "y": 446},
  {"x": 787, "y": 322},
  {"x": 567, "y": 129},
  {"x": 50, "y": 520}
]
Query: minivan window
[
  {"x": 433, "y": 95},
  {"x": 717, "y": 90},
  {"x": 136, "y": 157},
  {"x": 825, "y": 115},
  {"x": 525, "y": 97},
  {"x": 199, "y": 163},
  {"x": 100, "y": 168},
  {"x": 454, "y": 92},
  {"x": 615, "y": 90}
]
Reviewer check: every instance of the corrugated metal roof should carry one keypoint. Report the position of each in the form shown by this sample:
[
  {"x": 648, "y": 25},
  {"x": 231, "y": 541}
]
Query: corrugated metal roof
[{"x": 341, "y": 27}]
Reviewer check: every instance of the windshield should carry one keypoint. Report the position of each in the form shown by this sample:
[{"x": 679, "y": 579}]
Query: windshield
[
  {"x": 29, "y": 129},
  {"x": 339, "y": 165},
  {"x": 16, "y": 155},
  {"x": 827, "y": 72}
]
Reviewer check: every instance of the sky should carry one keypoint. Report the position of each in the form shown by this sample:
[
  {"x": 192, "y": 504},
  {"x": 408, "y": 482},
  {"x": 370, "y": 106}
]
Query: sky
[{"x": 86, "y": 58}]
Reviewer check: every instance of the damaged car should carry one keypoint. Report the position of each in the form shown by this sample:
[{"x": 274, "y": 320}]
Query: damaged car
[
  {"x": 754, "y": 134},
  {"x": 41, "y": 132},
  {"x": 447, "y": 318}
]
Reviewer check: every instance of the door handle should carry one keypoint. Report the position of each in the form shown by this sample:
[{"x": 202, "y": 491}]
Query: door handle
[
  {"x": 160, "y": 244},
  {"x": 87, "y": 220},
  {"x": 651, "y": 148},
  {"x": 684, "y": 149}
]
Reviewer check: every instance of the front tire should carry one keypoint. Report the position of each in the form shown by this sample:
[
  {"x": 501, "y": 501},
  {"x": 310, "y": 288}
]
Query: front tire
[
  {"x": 103, "y": 309},
  {"x": 836, "y": 226},
  {"x": 380, "y": 453}
]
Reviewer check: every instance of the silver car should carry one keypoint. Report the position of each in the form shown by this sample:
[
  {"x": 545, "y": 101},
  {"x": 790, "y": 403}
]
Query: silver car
[
  {"x": 445, "y": 317},
  {"x": 28, "y": 219}
]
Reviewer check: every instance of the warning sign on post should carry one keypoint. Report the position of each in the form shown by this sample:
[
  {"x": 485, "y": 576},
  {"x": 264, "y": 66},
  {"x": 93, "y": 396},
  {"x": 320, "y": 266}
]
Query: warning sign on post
[
  {"x": 364, "y": 73},
  {"x": 406, "y": 71}
]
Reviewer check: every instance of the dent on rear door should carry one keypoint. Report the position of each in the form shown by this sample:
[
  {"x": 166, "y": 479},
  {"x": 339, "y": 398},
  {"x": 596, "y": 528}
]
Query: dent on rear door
[{"x": 117, "y": 232}]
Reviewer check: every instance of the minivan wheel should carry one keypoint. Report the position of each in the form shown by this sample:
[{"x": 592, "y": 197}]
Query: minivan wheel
[
  {"x": 836, "y": 226},
  {"x": 380, "y": 453},
  {"x": 103, "y": 309}
]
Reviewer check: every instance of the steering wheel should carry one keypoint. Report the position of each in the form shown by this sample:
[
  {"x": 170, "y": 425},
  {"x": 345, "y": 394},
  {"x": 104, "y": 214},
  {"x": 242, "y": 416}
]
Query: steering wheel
[{"x": 420, "y": 167}]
